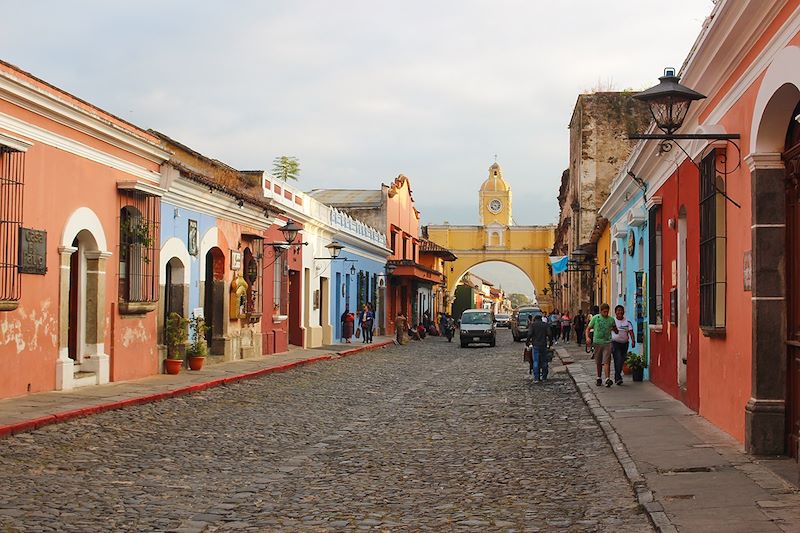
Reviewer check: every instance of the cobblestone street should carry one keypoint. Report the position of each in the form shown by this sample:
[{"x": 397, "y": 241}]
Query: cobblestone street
[{"x": 423, "y": 437}]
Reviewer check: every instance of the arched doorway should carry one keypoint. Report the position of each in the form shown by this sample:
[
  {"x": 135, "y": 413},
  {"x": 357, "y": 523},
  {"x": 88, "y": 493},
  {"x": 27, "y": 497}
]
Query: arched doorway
[
  {"x": 82, "y": 298},
  {"x": 791, "y": 158},
  {"x": 214, "y": 300},
  {"x": 174, "y": 296}
]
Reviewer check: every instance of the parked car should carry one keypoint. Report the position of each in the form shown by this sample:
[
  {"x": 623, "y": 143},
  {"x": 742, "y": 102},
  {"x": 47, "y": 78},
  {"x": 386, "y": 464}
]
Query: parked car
[
  {"x": 519, "y": 321},
  {"x": 502, "y": 320},
  {"x": 477, "y": 325}
]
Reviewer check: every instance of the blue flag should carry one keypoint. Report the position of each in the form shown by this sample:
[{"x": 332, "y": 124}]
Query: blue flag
[{"x": 559, "y": 263}]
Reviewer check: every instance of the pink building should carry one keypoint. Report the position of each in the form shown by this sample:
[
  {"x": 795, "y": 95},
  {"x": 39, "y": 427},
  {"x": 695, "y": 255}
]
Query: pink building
[{"x": 79, "y": 241}]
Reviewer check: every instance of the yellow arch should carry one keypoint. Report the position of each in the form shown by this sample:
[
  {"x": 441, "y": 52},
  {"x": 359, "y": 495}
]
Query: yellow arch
[{"x": 526, "y": 247}]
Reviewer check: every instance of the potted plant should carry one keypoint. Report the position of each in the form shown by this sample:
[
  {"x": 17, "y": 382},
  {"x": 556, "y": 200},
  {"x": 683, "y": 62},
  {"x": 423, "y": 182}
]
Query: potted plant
[
  {"x": 198, "y": 349},
  {"x": 175, "y": 335},
  {"x": 637, "y": 364}
]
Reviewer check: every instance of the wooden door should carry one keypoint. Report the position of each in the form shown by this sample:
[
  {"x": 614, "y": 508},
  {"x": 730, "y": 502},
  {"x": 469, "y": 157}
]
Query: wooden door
[
  {"x": 792, "y": 160},
  {"x": 74, "y": 298}
]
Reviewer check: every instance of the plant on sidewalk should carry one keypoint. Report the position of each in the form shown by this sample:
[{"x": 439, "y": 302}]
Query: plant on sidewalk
[
  {"x": 198, "y": 347},
  {"x": 636, "y": 361},
  {"x": 175, "y": 335}
]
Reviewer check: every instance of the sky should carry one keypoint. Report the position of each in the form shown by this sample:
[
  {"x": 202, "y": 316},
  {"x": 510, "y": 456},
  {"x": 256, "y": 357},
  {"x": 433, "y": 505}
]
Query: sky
[{"x": 361, "y": 91}]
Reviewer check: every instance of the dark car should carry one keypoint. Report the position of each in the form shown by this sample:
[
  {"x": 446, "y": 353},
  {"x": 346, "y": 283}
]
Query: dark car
[
  {"x": 477, "y": 325},
  {"x": 519, "y": 321},
  {"x": 502, "y": 320}
]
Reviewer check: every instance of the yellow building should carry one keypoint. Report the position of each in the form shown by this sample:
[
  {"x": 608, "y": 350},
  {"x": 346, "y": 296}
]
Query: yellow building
[
  {"x": 497, "y": 239},
  {"x": 603, "y": 268}
]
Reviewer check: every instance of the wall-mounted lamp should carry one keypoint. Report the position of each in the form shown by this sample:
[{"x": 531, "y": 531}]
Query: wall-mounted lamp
[{"x": 290, "y": 231}]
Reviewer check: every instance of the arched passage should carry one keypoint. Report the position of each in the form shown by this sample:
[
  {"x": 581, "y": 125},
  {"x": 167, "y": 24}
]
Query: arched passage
[{"x": 505, "y": 275}]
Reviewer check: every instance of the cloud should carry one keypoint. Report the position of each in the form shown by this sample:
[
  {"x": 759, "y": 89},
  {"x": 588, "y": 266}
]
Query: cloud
[{"x": 362, "y": 90}]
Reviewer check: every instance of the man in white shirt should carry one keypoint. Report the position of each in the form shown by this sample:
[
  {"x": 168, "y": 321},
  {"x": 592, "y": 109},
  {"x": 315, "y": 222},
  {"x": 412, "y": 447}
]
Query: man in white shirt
[{"x": 619, "y": 341}]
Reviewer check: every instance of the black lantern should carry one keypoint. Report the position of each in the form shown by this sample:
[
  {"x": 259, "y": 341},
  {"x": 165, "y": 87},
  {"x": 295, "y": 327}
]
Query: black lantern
[
  {"x": 390, "y": 268},
  {"x": 352, "y": 270},
  {"x": 290, "y": 230},
  {"x": 334, "y": 248},
  {"x": 669, "y": 101}
]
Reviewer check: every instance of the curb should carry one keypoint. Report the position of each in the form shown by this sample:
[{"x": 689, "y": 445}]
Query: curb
[
  {"x": 654, "y": 510},
  {"x": 64, "y": 416}
]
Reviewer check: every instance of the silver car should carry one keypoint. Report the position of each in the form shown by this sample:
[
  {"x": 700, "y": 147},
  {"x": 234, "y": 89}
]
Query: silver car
[{"x": 477, "y": 325}]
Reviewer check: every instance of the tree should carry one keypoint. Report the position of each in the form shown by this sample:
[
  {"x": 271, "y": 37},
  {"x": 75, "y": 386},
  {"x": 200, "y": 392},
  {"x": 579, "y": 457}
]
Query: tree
[
  {"x": 286, "y": 168},
  {"x": 518, "y": 299}
]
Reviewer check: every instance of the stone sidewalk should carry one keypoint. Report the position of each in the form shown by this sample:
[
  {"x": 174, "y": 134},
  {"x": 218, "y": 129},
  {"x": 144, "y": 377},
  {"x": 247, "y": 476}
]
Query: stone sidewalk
[
  {"x": 688, "y": 475},
  {"x": 32, "y": 411}
]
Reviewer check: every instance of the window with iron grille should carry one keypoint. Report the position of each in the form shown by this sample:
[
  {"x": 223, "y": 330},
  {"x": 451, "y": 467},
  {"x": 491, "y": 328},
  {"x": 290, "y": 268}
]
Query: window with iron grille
[
  {"x": 12, "y": 174},
  {"x": 655, "y": 279},
  {"x": 362, "y": 288},
  {"x": 712, "y": 245},
  {"x": 139, "y": 220},
  {"x": 280, "y": 284},
  {"x": 252, "y": 274}
]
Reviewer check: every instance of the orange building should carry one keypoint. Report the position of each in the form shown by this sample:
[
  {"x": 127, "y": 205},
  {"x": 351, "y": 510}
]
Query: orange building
[
  {"x": 724, "y": 282},
  {"x": 79, "y": 241}
]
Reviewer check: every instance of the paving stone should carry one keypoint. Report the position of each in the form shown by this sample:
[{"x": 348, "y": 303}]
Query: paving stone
[{"x": 422, "y": 437}]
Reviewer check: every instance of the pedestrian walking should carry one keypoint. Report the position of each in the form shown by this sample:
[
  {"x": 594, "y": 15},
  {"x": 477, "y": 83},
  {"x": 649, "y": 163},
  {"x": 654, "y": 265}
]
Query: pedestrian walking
[
  {"x": 566, "y": 325},
  {"x": 599, "y": 334},
  {"x": 619, "y": 341},
  {"x": 579, "y": 325},
  {"x": 348, "y": 320},
  {"x": 367, "y": 321},
  {"x": 555, "y": 325},
  {"x": 540, "y": 337}
]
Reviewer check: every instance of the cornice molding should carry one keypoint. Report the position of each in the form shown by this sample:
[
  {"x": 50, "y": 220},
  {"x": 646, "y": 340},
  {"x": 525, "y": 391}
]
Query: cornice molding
[
  {"x": 42, "y": 103},
  {"x": 19, "y": 145},
  {"x": 653, "y": 201},
  {"x": 49, "y": 138},
  {"x": 194, "y": 196},
  {"x": 764, "y": 161}
]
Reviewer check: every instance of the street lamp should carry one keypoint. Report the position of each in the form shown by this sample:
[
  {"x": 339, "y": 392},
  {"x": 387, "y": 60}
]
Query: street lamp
[
  {"x": 334, "y": 248},
  {"x": 669, "y": 101},
  {"x": 290, "y": 230}
]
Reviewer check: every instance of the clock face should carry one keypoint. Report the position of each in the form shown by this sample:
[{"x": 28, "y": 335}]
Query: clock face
[{"x": 495, "y": 206}]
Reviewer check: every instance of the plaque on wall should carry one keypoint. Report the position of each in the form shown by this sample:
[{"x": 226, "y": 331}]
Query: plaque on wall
[
  {"x": 236, "y": 260},
  {"x": 32, "y": 251}
]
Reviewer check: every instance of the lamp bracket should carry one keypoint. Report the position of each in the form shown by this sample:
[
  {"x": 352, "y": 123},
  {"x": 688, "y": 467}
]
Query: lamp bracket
[{"x": 670, "y": 139}]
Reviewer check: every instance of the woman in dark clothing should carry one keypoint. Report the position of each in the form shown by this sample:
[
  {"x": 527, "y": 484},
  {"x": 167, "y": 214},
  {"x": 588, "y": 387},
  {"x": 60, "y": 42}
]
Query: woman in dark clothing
[{"x": 347, "y": 324}]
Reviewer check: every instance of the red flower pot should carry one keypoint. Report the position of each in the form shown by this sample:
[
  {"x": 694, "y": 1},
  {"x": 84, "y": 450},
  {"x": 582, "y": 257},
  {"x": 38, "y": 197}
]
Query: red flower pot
[{"x": 173, "y": 366}]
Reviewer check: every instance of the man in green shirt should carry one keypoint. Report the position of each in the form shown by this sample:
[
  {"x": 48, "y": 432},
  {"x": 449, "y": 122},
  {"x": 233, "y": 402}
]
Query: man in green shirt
[{"x": 599, "y": 333}]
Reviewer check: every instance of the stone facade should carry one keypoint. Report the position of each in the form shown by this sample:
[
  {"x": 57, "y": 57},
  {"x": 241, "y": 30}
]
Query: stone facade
[{"x": 598, "y": 147}]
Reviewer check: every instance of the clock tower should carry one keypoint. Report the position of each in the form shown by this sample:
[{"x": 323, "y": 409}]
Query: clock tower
[{"x": 495, "y": 199}]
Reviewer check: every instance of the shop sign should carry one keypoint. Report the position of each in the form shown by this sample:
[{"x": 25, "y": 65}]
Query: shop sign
[{"x": 32, "y": 251}]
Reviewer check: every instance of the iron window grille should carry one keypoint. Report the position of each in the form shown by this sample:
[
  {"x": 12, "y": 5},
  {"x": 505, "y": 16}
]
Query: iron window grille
[
  {"x": 712, "y": 245},
  {"x": 139, "y": 228},
  {"x": 655, "y": 276},
  {"x": 253, "y": 276},
  {"x": 12, "y": 182},
  {"x": 280, "y": 286}
]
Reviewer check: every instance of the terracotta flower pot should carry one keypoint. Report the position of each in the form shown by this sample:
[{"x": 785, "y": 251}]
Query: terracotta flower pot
[
  {"x": 173, "y": 366},
  {"x": 196, "y": 362},
  {"x": 626, "y": 369}
]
